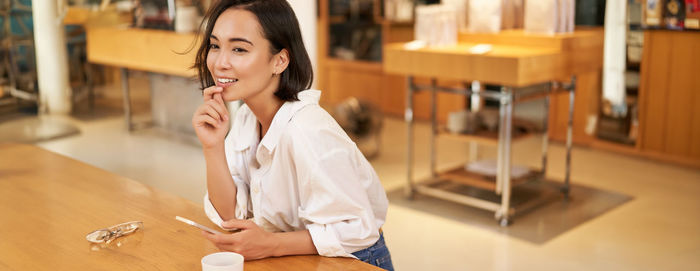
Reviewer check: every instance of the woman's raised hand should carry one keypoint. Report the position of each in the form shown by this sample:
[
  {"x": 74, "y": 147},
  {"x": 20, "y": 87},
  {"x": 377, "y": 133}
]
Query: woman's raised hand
[{"x": 211, "y": 119}]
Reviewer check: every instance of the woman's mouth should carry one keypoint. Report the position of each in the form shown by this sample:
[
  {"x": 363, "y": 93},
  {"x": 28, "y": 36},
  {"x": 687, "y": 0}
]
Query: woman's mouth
[{"x": 225, "y": 82}]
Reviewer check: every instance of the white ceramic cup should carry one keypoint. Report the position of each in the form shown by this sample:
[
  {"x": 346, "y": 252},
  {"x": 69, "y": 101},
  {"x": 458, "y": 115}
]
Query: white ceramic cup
[{"x": 222, "y": 261}]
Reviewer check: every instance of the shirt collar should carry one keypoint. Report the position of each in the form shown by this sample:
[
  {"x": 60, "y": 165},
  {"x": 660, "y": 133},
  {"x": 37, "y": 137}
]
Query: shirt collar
[
  {"x": 284, "y": 114},
  {"x": 248, "y": 133}
]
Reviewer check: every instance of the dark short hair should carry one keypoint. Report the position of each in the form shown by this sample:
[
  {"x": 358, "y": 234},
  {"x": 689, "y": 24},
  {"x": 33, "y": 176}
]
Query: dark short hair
[{"x": 280, "y": 27}]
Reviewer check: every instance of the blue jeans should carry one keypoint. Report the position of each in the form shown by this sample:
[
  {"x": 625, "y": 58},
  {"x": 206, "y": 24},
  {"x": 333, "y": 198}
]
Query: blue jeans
[{"x": 377, "y": 255}]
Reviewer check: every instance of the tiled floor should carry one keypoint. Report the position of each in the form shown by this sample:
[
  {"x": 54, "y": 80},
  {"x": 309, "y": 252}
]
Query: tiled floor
[{"x": 658, "y": 230}]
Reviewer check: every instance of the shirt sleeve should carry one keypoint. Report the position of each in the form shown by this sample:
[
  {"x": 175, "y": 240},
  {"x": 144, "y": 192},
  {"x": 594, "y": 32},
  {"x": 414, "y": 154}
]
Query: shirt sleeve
[
  {"x": 335, "y": 205},
  {"x": 243, "y": 204}
]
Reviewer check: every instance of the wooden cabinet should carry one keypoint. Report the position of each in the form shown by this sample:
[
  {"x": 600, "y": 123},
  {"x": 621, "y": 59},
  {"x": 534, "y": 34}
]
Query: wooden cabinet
[{"x": 670, "y": 96}]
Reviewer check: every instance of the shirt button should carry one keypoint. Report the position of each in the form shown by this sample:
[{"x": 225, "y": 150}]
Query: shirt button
[{"x": 255, "y": 190}]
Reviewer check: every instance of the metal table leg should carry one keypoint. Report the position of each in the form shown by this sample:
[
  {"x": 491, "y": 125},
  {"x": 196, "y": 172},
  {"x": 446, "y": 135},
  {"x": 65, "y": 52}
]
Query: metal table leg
[
  {"x": 501, "y": 147},
  {"x": 126, "y": 98},
  {"x": 408, "y": 116},
  {"x": 474, "y": 107},
  {"x": 545, "y": 136},
  {"x": 504, "y": 157},
  {"x": 569, "y": 137},
  {"x": 433, "y": 127}
]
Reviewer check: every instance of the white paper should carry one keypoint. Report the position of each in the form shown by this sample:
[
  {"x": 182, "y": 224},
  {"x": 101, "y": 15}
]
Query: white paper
[
  {"x": 485, "y": 16},
  {"x": 490, "y": 168},
  {"x": 461, "y": 7},
  {"x": 572, "y": 16},
  {"x": 541, "y": 16},
  {"x": 562, "y": 12},
  {"x": 415, "y": 45},
  {"x": 480, "y": 49},
  {"x": 436, "y": 25}
]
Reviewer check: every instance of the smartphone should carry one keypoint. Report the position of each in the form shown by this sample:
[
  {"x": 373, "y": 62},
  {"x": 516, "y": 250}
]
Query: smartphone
[{"x": 192, "y": 223}]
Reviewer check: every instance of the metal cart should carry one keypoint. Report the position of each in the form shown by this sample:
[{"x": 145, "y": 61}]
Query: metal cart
[{"x": 502, "y": 187}]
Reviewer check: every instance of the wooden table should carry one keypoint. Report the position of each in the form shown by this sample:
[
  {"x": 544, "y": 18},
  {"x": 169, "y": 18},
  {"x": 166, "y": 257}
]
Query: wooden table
[
  {"x": 515, "y": 66},
  {"x": 526, "y": 66},
  {"x": 150, "y": 50},
  {"x": 48, "y": 203}
]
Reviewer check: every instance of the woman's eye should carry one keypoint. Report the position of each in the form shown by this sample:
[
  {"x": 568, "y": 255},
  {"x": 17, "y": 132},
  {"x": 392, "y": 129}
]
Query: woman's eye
[
  {"x": 239, "y": 50},
  {"x": 213, "y": 46}
]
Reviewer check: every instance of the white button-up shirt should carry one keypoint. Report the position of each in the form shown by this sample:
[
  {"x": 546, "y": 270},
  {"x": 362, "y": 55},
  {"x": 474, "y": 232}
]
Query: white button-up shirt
[{"x": 305, "y": 173}]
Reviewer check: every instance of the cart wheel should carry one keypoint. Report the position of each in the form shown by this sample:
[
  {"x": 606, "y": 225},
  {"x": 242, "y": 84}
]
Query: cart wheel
[
  {"x": 504, "y": 222},
  {"x": 498, "y": 215}
]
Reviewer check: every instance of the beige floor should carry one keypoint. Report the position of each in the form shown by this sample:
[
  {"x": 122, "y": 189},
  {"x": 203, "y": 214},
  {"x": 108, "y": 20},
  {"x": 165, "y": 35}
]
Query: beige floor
[{"x": 658, "y": 230}]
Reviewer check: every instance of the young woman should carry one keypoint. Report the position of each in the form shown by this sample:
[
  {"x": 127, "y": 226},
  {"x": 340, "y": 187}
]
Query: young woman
[{"x": 285, "y": 174}]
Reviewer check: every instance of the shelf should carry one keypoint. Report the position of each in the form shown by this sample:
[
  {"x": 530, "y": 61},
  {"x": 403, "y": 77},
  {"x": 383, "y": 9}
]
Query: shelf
[
  {"x": 337, "y": 19},
  {"x": 664, "y": 28},
  {"x": 462, "y": 176},
  {"x": 396, "y": 23},
  {"x": 483, "y": 136}
]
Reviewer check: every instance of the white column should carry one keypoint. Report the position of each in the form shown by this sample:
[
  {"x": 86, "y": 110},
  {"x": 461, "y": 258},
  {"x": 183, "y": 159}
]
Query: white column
[
  {"x": 306, "y": 14},
  {"x": 614, "y": 52},
  {"x": 51, "y": 59}
]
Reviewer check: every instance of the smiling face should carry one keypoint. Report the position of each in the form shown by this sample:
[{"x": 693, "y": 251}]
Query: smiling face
[{"x": 239, "y": 57}]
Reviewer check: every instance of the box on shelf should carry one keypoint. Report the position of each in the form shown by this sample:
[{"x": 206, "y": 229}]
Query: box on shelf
[
  {"x": 653, "y": 12},
  {"x": 490, "y": 168},
  {"x": 692, "y": 14},
  {"x": 674, "y": 14}
]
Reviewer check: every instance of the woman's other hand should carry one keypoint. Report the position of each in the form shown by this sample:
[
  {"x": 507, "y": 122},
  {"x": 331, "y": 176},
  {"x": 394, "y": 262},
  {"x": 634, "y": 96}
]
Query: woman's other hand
[
  {"x": 211, "y": 119},
  {"x": 251, "y": 241}
]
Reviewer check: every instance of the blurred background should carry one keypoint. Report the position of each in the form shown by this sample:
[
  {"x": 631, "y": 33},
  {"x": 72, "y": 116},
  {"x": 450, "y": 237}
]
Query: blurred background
[{"x": 108, "y": 83}]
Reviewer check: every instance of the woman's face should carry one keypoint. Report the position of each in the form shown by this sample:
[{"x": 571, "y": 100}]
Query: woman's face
[{"x": 239, "y": 57}]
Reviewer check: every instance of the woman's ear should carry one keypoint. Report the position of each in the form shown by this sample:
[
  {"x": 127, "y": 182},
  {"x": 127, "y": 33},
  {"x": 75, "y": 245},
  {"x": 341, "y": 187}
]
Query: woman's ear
[{"x": 281, "y": 61}]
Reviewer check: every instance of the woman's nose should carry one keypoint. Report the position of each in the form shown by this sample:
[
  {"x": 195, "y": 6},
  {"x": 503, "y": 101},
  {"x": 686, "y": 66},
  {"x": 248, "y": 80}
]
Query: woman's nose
[{"x": 222, "y": 62}]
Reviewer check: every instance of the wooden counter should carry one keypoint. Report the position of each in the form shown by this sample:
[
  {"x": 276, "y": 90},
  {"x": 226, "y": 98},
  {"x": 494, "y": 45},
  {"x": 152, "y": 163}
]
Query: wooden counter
[
  {"x": 536, "y": 56},
  {"x": 49, "y": 203},
  {"x": 518, "y": 58},
  {"x": 516, "y": 66},
  {"x": 149, "y": 50},
  {"x": 581, "y": 51}
]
